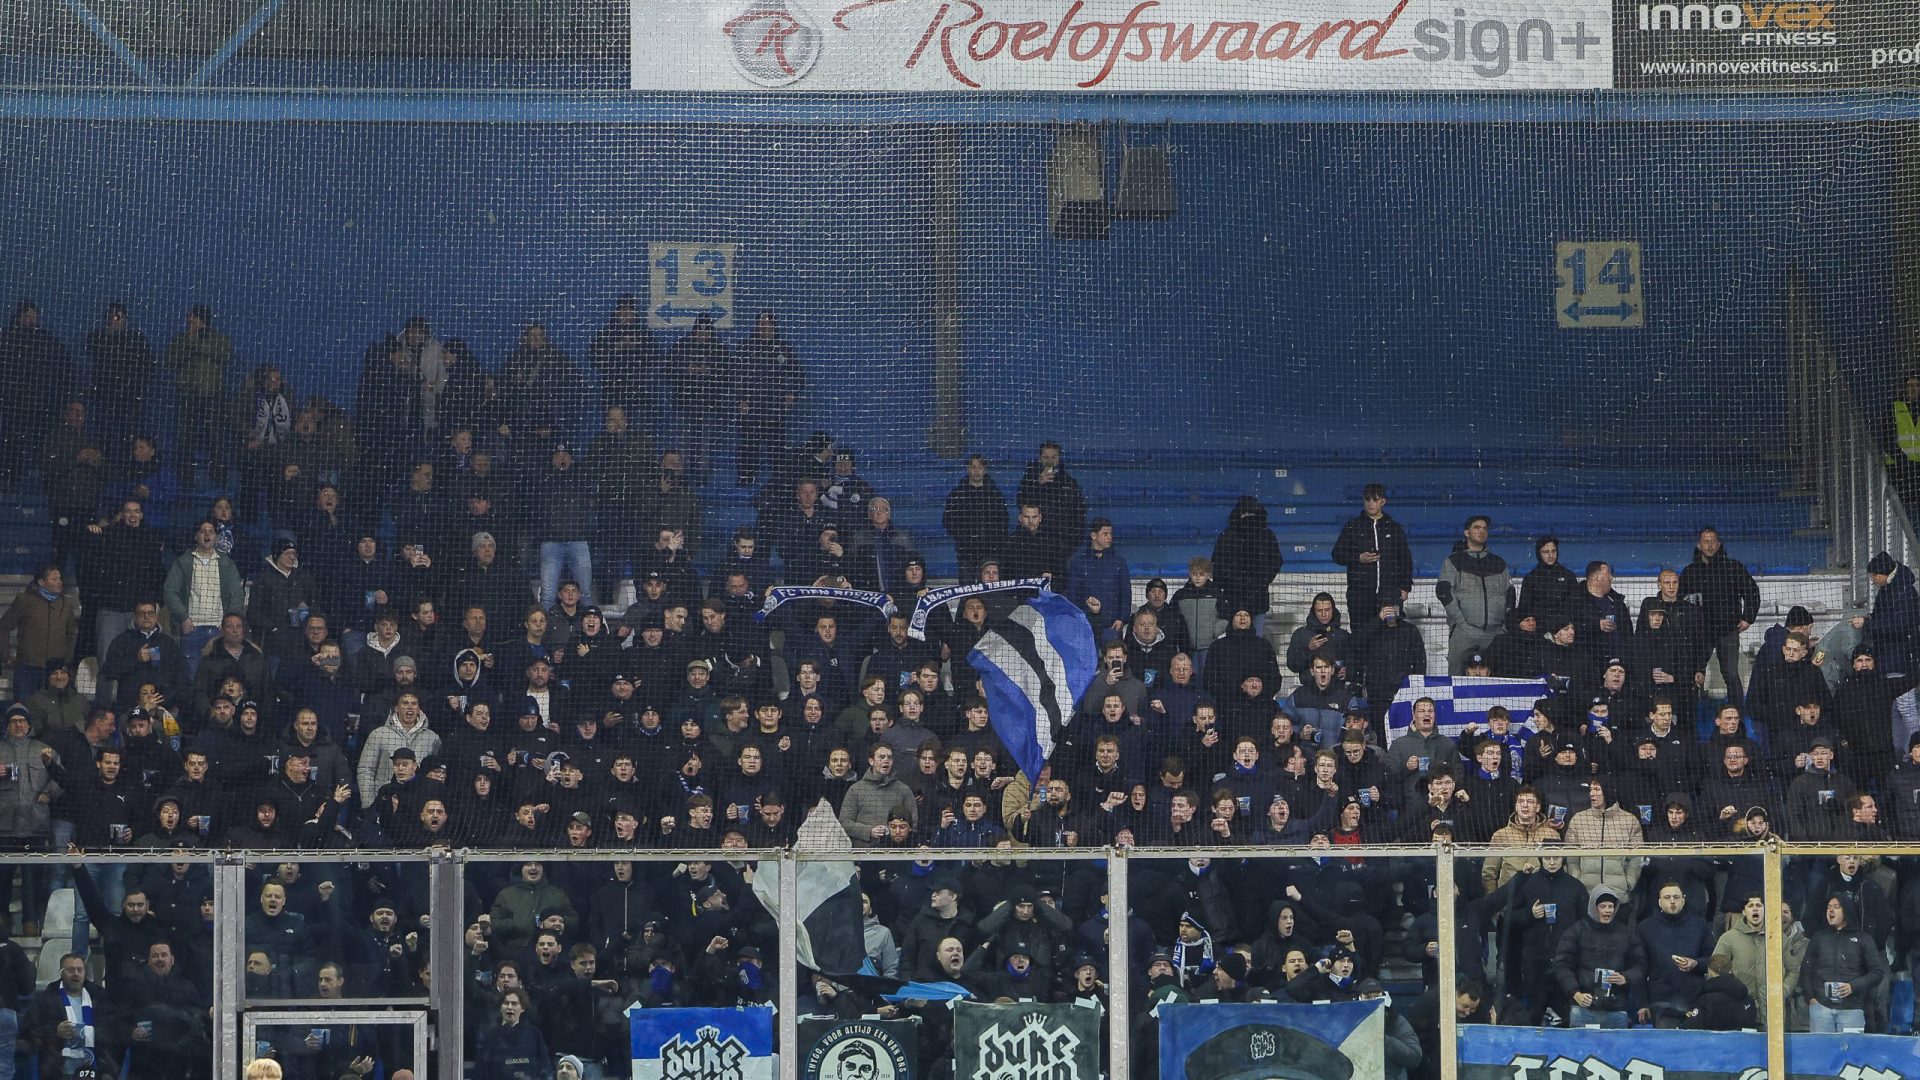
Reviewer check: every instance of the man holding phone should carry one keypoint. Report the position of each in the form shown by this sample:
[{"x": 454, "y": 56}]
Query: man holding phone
[{"x": 1373, "y": 548}]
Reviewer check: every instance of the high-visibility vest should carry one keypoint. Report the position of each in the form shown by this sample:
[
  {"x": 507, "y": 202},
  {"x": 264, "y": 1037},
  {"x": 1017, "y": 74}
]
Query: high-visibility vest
[{"x": 1906, "y": 430}]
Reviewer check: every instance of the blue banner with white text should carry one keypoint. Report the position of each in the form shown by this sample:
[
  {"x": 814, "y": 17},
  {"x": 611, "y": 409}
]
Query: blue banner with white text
[{"x": 702, "y": 1044}]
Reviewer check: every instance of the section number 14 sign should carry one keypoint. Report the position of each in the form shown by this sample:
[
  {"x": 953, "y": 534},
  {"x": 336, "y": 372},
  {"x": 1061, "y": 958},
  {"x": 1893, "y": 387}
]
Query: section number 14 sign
[{"x": 1597, "y": 286}]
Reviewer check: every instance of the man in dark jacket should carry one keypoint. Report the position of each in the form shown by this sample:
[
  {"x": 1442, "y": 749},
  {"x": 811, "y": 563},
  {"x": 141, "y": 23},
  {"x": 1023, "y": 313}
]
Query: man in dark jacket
[
  {"x": 1862, "y": 710},
  {"x": 975, "y": 517},
  {"x": 1541, "y": 913},
  {"x": 142, "y": 655},
  {"x": 1063, "y": 508},
  {"x": 1843, "y": 970},
  {"x": 1729, "y": 602},
  {"x": 565, "y": 501},
  {"x": 1390, "y": 650},
  {"x": 1373, "y": 548},
  {"x": 280, "y": 597},
  {"x": 1320, "y": 634},
  {"x": 1246, "y": 559},
  {"x": 1597, "y": 961},
  {"x": 1678, "y": 945},
  {"x": 68, "y": 1022},
  {"x": 1896, "y": 613}
]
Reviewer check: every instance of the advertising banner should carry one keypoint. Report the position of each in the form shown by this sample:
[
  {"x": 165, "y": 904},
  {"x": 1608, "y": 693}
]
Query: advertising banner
[
  {"x": 1131, "y": 46},
  {"x": 702, "y": 1044},
  {"x": 1334, "y": 1041},
  {"x": 1853, "y": 1057},
  {"x": 1517, "y": 1053},
  {"x": 1026, "y": 1042},
  {"x": 1766, "y": 45}
]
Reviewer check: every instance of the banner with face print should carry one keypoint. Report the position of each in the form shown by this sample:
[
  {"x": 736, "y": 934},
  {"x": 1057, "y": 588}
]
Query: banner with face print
[{"x": 858, "y": 1049}]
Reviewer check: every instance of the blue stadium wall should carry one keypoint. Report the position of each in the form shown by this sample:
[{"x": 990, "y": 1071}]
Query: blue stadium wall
[{"x": 1321, "y": 286}]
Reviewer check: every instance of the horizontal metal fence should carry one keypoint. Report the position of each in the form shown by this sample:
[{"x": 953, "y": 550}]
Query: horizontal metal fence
[{"x": 447, "y": 869}]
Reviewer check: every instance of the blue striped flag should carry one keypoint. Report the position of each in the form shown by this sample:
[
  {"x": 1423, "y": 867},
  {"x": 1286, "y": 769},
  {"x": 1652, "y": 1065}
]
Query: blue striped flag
[
  {"x": 1034, "y": 665},
  {"x": 1460, "y": 700}
]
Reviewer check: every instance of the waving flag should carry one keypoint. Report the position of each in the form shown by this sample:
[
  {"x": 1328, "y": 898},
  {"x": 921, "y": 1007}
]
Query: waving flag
[
  {"x": 827, "y": 895},
  {"x": 1460, "y": 700},
  {"x": 1034, "y": 665}
]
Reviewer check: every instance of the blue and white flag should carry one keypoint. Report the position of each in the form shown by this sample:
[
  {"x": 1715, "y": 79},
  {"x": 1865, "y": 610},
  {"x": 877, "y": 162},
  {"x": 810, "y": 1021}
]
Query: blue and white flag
[
  {"x": 1034, "y": 665},
  {"x": 1460, "y": 700}
]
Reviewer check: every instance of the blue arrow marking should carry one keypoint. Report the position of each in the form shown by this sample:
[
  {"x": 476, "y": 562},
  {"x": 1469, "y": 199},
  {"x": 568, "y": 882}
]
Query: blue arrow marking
[
  {"x": 1621, "y": 310},
  {"x": 676, "y": 311}
]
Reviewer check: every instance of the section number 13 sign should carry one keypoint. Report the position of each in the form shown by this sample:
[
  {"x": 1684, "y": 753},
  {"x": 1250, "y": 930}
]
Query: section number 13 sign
[{"x": 687, "y": 281}]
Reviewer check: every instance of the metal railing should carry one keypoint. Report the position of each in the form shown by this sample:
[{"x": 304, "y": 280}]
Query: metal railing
[
  {"x": 446, "y": 1003},
  {"x": 1837, "y": 456}
]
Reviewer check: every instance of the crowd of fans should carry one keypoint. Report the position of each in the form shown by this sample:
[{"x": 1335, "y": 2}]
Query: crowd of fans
[{"x": 383, "y": 631}]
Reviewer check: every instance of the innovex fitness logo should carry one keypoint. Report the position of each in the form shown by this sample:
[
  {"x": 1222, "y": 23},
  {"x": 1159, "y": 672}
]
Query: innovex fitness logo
[
  {"x": 772, "y": 44},
  {"x": 1762, "y": 44},
  {"x": 1795, "y": 23}
]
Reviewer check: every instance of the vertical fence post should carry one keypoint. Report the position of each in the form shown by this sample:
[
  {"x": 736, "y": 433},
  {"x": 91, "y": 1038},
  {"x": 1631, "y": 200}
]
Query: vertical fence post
[
  {"x": 1119, "y": 969},
  {"x": 787, "y": 1037},
  {"x": 446, "y": 889},
  {"x": 1443, "y": 898},
  {"x": 229, "y": 964},
  {"x": 1774, "y": 941}
]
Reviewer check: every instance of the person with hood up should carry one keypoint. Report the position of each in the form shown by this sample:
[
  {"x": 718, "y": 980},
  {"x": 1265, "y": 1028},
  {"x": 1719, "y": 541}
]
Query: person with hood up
[
  {"x": 1896, "y": 612},
  {"x": 1477, "y": 590},
  {"x": 1542, "y": 908},
  {"x": 1862, "y": 710},
  {"x": 1729, "y": 603},
  {"x": 1678, "y": 945},
  {"x": 1663, "y": 659},
  {"x": 1246, "y": 559},
  {"x": 1320, "y": 634},
  {"x": 1597, "y": 962},
  {"x": 1373, "y": 548},
  {"x": 1548, "y": 590},
  {"x": 1843, "y": 969},
  {"x": 1604, "y": 824},
  {"x": 1239, "y": 653}
]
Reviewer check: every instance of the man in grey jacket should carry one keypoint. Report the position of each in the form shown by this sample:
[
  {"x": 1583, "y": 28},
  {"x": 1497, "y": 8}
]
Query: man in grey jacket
[
  {"x": 874, "y": 798},
  {"x": 27, "y": 791},
  {"x": 1415, "y": 755},
  {"x": 1477, "y": 589}
]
